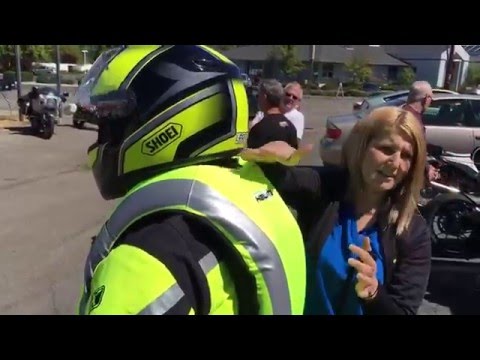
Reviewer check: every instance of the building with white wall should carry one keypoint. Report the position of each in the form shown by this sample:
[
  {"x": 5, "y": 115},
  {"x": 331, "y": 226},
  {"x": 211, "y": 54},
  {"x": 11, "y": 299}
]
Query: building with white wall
[{"x": 430, "y": 61}]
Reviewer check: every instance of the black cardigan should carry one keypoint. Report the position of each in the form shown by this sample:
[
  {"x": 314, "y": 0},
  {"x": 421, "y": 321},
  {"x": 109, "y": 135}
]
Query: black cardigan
[{"x": 315, "y": 192}]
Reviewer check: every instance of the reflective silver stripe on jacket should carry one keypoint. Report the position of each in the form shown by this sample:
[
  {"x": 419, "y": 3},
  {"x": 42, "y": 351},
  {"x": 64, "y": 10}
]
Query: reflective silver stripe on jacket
[
  {"x": 214, "y": 206},
  {"x": 164, "y": 302},
  {"x": 208, "y": 263},
  {"x": 173, "y": 295}
]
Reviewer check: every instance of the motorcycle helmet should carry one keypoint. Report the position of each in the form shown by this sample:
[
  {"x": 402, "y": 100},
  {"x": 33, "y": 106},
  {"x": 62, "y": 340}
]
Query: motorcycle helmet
[
  {"x": 159, "y": 107},
  {"x": 35, "y": 92}
]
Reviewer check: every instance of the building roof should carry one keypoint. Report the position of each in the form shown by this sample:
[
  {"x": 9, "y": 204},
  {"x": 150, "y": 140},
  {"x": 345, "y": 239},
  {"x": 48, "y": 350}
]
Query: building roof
[
  {"x": 323, "y": 53},
  {"x": 249, "y": 53},
  {"x": 472, "y": 49},
  {"x": 375, "y": 55}
]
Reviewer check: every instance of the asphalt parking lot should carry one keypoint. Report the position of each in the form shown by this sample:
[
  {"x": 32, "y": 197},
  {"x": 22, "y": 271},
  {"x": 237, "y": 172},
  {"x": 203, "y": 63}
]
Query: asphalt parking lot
[{"x": 50, "y": 208}]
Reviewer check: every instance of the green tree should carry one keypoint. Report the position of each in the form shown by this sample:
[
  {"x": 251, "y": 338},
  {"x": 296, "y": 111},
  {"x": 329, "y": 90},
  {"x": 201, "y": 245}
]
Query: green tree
[
  {"x": 473, "y": 75},
  {"x": 359, "y": 70},
  {"x": 406, "y": 77},
  {"x": 7, "y": 57},
  {"x": 71, "y": 54},
  {"x": 29, "y": 54},
  {"x": 94, "y": 51},
  {"x": 290, "y": 63}
]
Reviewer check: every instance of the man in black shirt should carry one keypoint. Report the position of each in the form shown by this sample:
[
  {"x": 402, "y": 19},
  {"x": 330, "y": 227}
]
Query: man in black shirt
[{"x": 274, "y": 126}]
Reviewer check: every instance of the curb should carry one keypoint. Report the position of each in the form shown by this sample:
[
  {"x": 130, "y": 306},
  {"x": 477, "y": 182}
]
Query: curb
[{"x": 32, "y": 83}]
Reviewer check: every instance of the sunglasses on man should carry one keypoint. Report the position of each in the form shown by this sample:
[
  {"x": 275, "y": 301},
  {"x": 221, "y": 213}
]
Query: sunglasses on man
[{"x": 292, "y": 96}]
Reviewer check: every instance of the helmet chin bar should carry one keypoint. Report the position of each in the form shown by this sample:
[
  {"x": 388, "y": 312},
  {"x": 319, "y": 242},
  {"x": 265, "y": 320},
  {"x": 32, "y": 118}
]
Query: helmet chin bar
[{"x": 110, "y": 184}]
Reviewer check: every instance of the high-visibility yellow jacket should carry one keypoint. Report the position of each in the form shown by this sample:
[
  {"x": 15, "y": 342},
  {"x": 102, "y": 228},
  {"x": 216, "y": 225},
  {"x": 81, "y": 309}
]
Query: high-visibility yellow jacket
[{"x": 254, "y": 226}]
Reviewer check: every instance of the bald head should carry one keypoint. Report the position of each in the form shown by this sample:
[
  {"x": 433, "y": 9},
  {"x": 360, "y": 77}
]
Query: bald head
[{"x": 419, "y": 91}]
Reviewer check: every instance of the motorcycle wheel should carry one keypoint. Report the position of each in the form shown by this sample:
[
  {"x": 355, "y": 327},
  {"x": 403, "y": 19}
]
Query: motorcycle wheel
[
  {"x": 444, "y": 216},
  {"x": 78, "y": 124},
  {"x": 49, "y": 128}
]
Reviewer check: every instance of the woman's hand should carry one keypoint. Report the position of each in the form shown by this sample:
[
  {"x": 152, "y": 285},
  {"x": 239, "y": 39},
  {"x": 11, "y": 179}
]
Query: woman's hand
[
  {"x": 367, "y": 282},
  {"x": 276, "y": 151}
]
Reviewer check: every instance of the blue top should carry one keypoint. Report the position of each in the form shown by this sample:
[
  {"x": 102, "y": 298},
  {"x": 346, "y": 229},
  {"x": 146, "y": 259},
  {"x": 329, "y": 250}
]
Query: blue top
[{"x": 326, "y": 281}]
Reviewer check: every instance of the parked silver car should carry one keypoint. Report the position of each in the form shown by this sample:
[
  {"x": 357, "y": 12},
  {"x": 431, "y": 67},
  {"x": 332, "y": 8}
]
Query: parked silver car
[
  {"x": 383, "y": 97},
  {"x": 452, "y": 121}
]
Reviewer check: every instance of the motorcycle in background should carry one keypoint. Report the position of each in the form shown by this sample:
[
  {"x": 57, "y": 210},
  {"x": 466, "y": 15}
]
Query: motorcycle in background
[
  {"x": 451, "y": 206},
  {"x": 42, "y": 106}
]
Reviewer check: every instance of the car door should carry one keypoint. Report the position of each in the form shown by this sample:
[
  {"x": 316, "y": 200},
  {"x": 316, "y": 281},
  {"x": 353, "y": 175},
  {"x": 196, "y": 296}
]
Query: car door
[
  {"x": 474, "y": 121},
  {"x": 447, "y": 125}
]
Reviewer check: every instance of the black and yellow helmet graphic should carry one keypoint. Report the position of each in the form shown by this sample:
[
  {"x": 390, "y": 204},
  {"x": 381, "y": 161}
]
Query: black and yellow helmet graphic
[{"x": 159, "y": 107}]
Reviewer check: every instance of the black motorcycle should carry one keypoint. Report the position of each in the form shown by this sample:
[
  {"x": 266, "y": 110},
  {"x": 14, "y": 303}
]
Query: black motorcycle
[
  {"x": 41, "y": 106},
  {"x": 453, "y": 207}
]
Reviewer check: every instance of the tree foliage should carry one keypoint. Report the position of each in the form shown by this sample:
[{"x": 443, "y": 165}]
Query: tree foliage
[
  {"x": 473, "y": 75},
  {"x": 406, "y": 76},
  {"x": 290, "y": 63},
  {"x": 29, "y": 54},
  {"x": 359, "y": 70},
  {"x": 94, "y": 51},
  {"x": 47, "y": 53}
]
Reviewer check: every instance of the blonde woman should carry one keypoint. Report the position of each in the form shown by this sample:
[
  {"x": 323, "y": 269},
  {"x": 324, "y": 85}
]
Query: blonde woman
[{"x": 368, "y": 248}]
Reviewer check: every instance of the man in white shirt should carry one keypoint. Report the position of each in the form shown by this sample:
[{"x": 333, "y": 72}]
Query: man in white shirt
[{"x": 293, "y": 94}]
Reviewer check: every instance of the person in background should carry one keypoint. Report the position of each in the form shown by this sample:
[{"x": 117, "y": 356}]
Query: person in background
[
  {"x": 274, "y": 122},
  {"x": 368, "y": 248},
  {"x": 290, "y": 107},
  {"x": 418, "y": 101},
  {"x": 294, "y": 96}
]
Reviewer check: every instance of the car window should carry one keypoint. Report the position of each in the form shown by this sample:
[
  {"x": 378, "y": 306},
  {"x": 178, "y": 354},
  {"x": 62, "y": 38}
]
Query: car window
[
  {"x": 397, "y": 101},
  {"x": 446, "y": 112},
  {"x": 395, "y": 96},
  {"x": 474, "y": 113}
]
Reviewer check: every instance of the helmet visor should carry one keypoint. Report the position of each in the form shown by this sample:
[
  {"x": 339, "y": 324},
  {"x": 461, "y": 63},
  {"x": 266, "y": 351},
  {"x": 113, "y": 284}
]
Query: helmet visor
[{"x": 83, "y": 96}]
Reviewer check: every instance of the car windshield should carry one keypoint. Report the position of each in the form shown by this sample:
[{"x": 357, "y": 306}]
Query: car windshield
[{"x": 365, "y": 105}]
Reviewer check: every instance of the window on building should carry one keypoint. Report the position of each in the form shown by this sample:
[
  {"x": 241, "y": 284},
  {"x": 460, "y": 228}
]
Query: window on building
[
  {"x": 327, "y": 71},
  {"x": 392, "y": 73}
]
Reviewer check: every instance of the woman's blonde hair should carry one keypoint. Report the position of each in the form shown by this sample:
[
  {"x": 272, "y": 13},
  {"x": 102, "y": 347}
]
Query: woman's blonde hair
[{"x": 383, "y": 121}]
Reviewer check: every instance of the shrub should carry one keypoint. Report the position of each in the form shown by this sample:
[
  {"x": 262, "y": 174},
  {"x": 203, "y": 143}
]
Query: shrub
[
  {"x": 322, "y": 92},
  {"x": 65, "y": 78},
  {"x": 389, "y": 87},
  {"x": 12, "y": 76},
  {"x": 46, "y": 78},
  {"x": 355, "y": 93}
]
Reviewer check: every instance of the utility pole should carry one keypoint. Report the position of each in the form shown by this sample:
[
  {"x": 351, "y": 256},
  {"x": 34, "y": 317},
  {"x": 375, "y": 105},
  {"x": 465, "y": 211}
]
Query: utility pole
[
  {"x": 84, "y": 56},
  {"x": 312, "y": 66},
  {"x": 59, "y": 84},
  {"x": 449, "y": 68},
  {"x": 19, "y": 78}
]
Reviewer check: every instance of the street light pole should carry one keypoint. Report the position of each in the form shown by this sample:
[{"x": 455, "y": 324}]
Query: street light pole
[
  {"x": 19, "y": 79},
  {"x": 449, "y": 68},
  {"x": 312, "y": 66},
  {"x": 59, "y": 86},
  {"x": 84, "y": 56}
]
